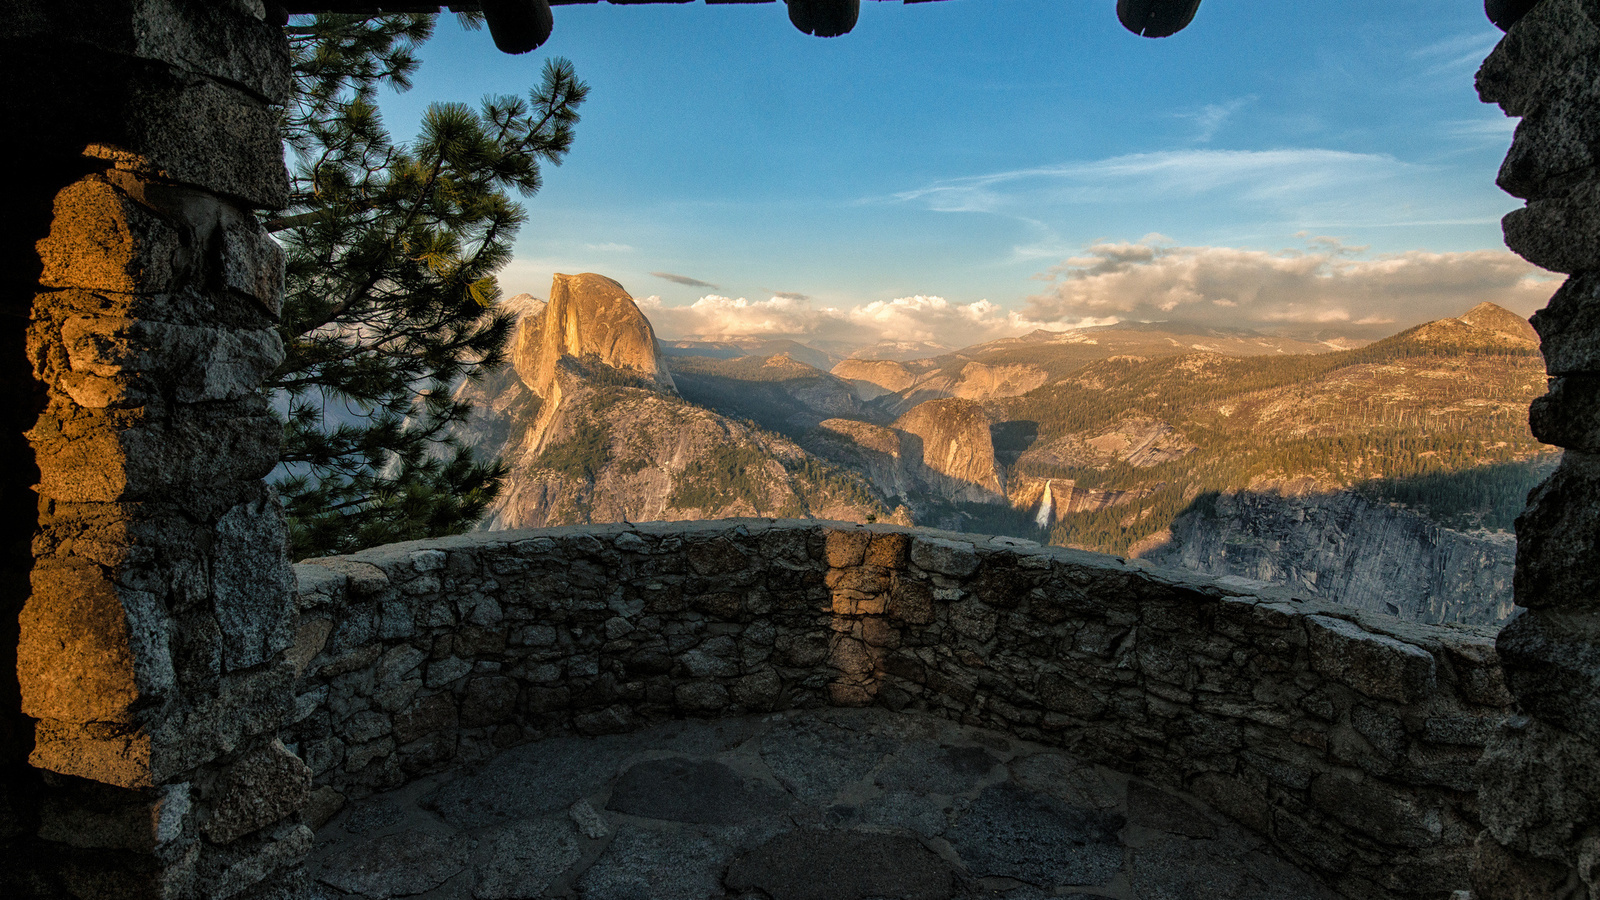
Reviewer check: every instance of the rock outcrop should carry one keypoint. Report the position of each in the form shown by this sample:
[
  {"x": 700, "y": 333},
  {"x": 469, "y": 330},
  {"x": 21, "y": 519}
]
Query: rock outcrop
[
  {"x": 1345, "y": 549},
  {"x": 586, "y": 315},
  {"x": 587, "y": 417},
  {"x": 873, "y": 378},
  {"x": 955, "y": 444}
]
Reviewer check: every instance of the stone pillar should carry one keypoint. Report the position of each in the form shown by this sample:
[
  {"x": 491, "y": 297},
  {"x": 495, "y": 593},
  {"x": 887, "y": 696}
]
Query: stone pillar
[
  {"x": 139, "y": 714},
  {"x": 1540, "y": 778}
]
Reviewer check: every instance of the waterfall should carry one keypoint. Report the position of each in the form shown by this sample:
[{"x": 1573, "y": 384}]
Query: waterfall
[{"x": 1046, "y": 507}]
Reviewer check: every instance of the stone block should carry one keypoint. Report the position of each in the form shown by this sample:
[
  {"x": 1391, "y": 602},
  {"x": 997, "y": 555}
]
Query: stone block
[
  {"x": 878, "y": 632},
  {"x": 1569, "y": 326},
  {"x": 800, "y": 650},
  {"x": 889, "y": 551},
  {"x": 843, "y": 549},
  {"x": 720, "y": 605},
  {"x": 432, "y": 714},
  {"x": 957, "y": 559},
  {"x": 1557, "y": 533},
  {"x": 1551, "y": 660},
  {"x": 1383, "y": 810},
  {"x": 272, "y": 858},
  {"x": 489, "y": 700},
  {"x": 398, "y": 662},
  {"x": 1478, "y": 676},
  {"x": 859, "y": 579},
  {"x": 251, "y": 264},
  {"x": 324, "y": 804},
  {"x": 358, "y": 757},
  {"x": 974, "y": 619},
  {"x": 366, "y": 725},
  {"x": 89, "y": 649},
  {"x": 1569, "y": 415},
  {"x": 445, "y": 671},
  {"x": 1537, "y": 55},
  {"x": 207, "y": 39},
  {"x": 1554, "y": 141},
  {"x": 1062, "y": 693},
  {"x": 252, "y": 583},
  {"x": 1376, "y": 665},
  {"x": 197, "y": 133},
  {"x": 701, "y": 697},
  {"x": 94, "y": 816},
  {"x": 260, "y": 789},
  {"x": 911, "y": 601},
  {"x": 1562, "y": 233},
  {"x": 717, "y": 557},
  {"x": 1498, "y": 874},
  {"x": 102, "y": 239},
  {"x": 309, "y": 638},
  {"x": 117, "y": 360},
  {"x": 758, "y": 691},
  {"x": 853, "y": 657},
  {"x": 204, "y": 460}
]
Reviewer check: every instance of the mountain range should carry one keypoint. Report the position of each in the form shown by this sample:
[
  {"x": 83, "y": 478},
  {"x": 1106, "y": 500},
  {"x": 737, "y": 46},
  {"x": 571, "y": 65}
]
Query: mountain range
[{"x": 1225, "y": 451}]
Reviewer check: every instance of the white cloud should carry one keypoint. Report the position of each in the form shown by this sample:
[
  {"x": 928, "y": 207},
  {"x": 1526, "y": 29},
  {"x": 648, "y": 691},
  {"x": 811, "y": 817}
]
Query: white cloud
[
  {"x": 917, "y": 318},
  {"x": 1326, "y": 286}
]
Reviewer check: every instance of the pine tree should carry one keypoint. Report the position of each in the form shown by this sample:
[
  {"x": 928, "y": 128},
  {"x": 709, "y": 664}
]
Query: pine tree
[{"x": 390, "y": 300}]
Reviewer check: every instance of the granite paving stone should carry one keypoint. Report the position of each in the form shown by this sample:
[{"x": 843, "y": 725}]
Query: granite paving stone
[
  {"x": 703, "y": 792},
  {"x": 843, "y": 865},
  {"x": 834, "y": 804},
  {"x": 524, "y": 858},
  {"x": 1154, "y": 808},
  {"x": 1011, "y": 831},
  {"x": 657, "y": 865},
  {"x": 398, "y": 865},
  {"x": 816, "y": 759},
  {"x": 527, "y": 780}
]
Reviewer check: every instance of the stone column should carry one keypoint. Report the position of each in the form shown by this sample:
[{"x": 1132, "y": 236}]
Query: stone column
[
  {"x": 1540, "y": 778},
  {"x": 149, "y": 617}
]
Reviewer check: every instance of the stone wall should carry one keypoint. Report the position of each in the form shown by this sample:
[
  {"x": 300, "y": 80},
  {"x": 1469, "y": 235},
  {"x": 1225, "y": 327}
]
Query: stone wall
[
  {"x": 138, "y": 751},
  {"x": 1541, "y": 776},
  {"x": 1348, "y": 741}
]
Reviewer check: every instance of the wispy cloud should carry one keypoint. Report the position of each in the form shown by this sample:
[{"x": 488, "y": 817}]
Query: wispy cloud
[
  {"x": 1458, "y": 54},
  {"x": 1327, "y": 286},
  {"x": 790, "y": 295},
  {"x": 1490, "y": 128},
  {"x": 609, "y": 247},
  {"x": 1210, "y": 118},
  {"x": 1276, "y": 176},
  {"x": 685, "y": 280}
]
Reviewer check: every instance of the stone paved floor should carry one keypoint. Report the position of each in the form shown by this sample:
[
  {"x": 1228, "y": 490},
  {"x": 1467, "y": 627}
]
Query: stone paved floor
[{"x": 822, "y": 805}]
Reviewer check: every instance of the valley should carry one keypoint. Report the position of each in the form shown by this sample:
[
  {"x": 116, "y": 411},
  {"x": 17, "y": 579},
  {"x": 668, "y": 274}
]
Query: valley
[{"x": 1384, "y": 476}]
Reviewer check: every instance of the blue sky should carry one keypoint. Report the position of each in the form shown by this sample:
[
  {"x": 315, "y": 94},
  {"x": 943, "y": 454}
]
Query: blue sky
[{"x": 964, "y": 169}]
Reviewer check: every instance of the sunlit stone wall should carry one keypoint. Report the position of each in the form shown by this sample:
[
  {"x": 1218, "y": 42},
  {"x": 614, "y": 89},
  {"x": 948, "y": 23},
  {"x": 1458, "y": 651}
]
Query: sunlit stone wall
[
  {"x": 1347, "y": 741},
  {"x": 149, "y": 618}
]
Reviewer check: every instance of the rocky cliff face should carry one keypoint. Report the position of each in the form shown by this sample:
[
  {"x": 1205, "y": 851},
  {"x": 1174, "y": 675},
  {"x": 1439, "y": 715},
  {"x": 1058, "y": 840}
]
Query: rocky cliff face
[
  {"x": 956, "y": 446},
  {"x": 587, "y": 315},
  {"x": 873, "y": 378},
  {"x": 587, "y": 419},
  {"x": 1345, "y": 549}
]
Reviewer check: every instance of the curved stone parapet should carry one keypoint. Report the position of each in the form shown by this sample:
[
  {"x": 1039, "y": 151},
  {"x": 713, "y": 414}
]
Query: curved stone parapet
[{"x": 1347, "y": 741}]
